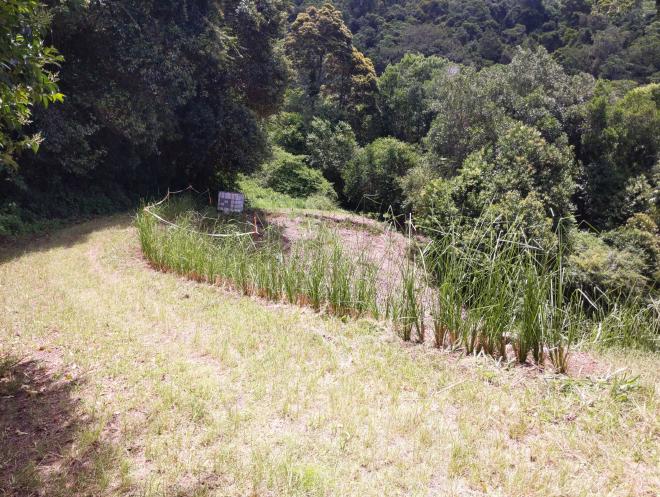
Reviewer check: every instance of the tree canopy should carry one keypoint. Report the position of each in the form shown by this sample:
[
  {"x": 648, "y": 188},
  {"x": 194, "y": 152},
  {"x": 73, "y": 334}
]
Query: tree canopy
[
  {"x": 28, "y": 76},
  {"x": 616, "y": 39}
]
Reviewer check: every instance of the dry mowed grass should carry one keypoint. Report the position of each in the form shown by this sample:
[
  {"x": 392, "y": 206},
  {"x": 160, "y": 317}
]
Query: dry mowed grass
[{"x": 120, "y": 381}]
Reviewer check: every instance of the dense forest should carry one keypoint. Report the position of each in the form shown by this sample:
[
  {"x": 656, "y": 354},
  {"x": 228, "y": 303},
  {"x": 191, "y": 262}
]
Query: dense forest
[
  {"x": 544, "y": 113},
  {"x": 609, "y": 39}
]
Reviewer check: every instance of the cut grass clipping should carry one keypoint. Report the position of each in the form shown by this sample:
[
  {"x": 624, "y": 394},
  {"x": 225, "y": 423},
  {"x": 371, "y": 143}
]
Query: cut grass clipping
[{"x": 495, "y": 294}]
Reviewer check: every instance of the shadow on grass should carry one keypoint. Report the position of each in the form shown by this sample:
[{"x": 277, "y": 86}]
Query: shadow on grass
[
  {"x": 42, "y": 447},
  {"x": 60, "y": 238}
]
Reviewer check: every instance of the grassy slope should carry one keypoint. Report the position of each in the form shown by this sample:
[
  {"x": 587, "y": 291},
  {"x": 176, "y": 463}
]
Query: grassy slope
[{"x": 152, "y": 385}]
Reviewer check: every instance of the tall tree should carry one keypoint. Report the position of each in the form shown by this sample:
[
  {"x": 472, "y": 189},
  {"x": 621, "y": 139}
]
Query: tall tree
[
  {"x": 321, "y": 48},
  {"x": 621, "y": 153},
  {"x": 405, "y": 95},
  {"x": 319, "y": 40},
  {"x": 164, "y": 90}
]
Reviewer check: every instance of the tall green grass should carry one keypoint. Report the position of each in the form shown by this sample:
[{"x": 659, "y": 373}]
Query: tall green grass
[
  {"x": 630, "y": 324},
  {"x": 314, "y": 272},
  {"x": 260, "y": 197},
  {"x": 485, "y": 290},
  {"x": 496, "y": 289}
]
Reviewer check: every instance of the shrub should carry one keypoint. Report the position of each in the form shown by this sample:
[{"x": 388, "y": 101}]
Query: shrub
[
  {"x": 330, "y": 148},
  {"x": 522, "y": 176},
  {"x": 414, "y": 183},
  {"x": 287, "y": 130},
  {"x": 372, "y": 179},
  {"x": 641, "y": 236},
  {"x": 289, "y": 174},
  {"x": 597, "y": 268}
]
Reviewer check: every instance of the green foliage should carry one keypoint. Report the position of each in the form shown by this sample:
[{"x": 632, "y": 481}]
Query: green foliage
[
  {"x": 413, "y": 185},
  {"x": 159, "y": 94},
  {"x": 405, "y": 92},
  {"x": 287, "y": 130},
  {"x": 608, "y": 38},
  {"x": 536, "y": 90},
  {"x": 471, "y": 108},
  {"x": 628, "y": 324},
  {"x": 151, "y": 86},
  {"x": 27, "y": 77},
  {"x": 620, "y": 151},
  {"x": 372, "y": 179},
  {"x": 466, "y": 118},
  {"x": 523, "y": 172},
  {"x": 289, "y": 174},
  {"x": 261, "y": 197},
  {"x": 318, "y": 42},
  {"x": 321, "y": 48},
  {"x": 496, "y": 286},
  {"x": 55, "y": 204},
  {"x": 525, "y": 162},
  {"x": 331, "y": 148},
  {"x": 641, "y": 236},
  {"x": 597, "y": 268}
]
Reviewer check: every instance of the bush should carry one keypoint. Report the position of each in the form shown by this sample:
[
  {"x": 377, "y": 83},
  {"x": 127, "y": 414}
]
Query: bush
[
  {"x": 10, "y": 220},
  {"x": 59, "y": 203},
  {"x": 414, "y": 183},
  {"x": 373, "y": 178},
  {"x": 641, "y": 236},
  {"x": 597, "y": 268},
  {"x": 289, "y": 174},
  {"x": 330, "y": 148},
  {"x": 287, "y": 130}
]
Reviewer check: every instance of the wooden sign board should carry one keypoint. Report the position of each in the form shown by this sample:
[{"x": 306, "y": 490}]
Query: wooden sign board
[{"x": 229, "y": 202}]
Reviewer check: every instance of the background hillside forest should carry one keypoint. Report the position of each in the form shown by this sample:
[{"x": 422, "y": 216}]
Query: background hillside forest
[{"x": 540, "y": 115}]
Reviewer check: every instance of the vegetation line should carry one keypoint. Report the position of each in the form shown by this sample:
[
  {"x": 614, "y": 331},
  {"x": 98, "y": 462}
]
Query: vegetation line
[{"x": 497, "y": 295}]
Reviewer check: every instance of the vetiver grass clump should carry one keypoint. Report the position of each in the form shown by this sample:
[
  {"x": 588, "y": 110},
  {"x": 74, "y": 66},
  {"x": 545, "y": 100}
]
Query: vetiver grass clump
[
  {"x": 314, "y": 272},
  {"x": 496, "y": 288},
  {"x": 488, "y": 290}
]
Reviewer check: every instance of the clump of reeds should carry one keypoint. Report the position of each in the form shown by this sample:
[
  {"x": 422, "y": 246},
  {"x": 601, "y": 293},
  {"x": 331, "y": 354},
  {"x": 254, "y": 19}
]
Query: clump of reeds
[
  {"x": 495, "y": 289},
  {"x": 487, "y": 289},
  {"x": 408, "y": 304},
  {"x": 314, "y": 272}
]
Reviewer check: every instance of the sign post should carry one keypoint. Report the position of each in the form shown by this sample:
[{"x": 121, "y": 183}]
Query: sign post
[{"x": 229, "y": 202}]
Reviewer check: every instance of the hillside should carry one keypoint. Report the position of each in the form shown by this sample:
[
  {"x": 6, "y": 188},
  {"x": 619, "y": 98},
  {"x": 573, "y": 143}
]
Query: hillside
[
  {"x": 443, "y": 278},
  {"x": 609, "y": 39},
  {"x": 126, "y": 381}
]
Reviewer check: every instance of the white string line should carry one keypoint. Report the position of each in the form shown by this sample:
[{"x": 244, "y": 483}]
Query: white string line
[{"x": 148, "y": 208}]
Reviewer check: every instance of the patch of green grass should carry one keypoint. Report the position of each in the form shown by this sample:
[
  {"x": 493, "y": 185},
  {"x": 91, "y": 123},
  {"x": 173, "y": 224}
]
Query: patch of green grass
[{"x": 188, "y": 390}]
